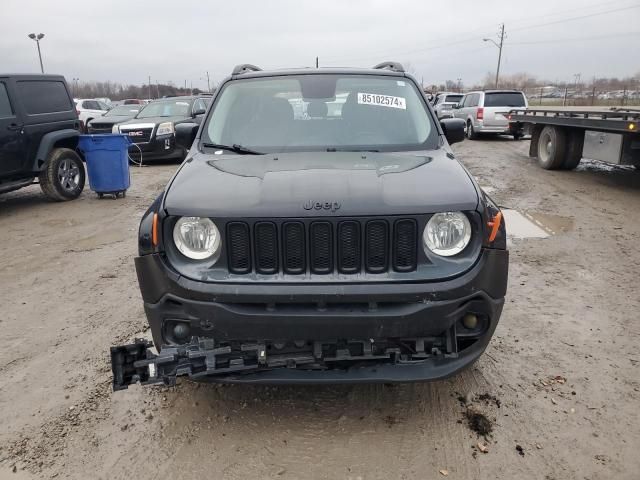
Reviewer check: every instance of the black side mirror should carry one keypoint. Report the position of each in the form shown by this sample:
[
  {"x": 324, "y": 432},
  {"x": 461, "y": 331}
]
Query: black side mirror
[
  {"x": 186, "y": 134},
  {"x": 199, "y": 111},
  {"x": 453, "y": 129}
]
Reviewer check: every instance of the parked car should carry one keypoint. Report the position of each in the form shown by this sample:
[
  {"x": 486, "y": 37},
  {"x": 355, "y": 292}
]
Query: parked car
[
  {"x": 487, "y": 112},
  {"x": 107, "y": 101},
  {"x": 444, "y": 102},
  {"x": 293, "y": 248},
  {"x": 39, "y": 132},
  {"x": 88, "y": 109},
  {"x": 113, "y": 117},
  {"x": 153, "y": 128}
]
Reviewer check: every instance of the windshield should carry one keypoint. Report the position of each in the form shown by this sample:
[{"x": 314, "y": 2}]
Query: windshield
[
  {"x": 452, "y": 98},
  {"x": 504, "y": 99},
  {"x": 131, "y": 111},
  {"x": 321, "y": 112},
  {"x": 166, "y": 108}
]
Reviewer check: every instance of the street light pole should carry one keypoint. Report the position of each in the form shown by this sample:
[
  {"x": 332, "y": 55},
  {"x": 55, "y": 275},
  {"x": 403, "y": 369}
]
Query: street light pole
[
  {"x": 37, "y": 39},
  {"x": 499, "y": 50}
]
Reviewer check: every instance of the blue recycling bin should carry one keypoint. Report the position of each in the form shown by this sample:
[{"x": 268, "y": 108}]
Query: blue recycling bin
[{"x": 107, "y": 162}]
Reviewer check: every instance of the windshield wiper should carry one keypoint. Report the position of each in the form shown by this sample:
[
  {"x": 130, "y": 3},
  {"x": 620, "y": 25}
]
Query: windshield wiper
[
  {"x": 234, "y": 148},
  {"x": 333, "y": 149}
]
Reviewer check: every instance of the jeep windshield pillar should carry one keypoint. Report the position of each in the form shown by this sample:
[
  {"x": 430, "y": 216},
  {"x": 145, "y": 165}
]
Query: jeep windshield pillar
[{"x": 320, "y": 231}]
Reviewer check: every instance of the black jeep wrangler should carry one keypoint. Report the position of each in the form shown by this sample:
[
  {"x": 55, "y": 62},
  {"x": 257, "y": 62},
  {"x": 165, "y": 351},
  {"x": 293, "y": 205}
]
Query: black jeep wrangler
[
  {"x": 39, "y": 131},
  {"x": 319, "y": 231}
]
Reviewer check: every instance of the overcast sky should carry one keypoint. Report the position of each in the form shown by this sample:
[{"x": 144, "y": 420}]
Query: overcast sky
[{"x": 128, "y": 40}]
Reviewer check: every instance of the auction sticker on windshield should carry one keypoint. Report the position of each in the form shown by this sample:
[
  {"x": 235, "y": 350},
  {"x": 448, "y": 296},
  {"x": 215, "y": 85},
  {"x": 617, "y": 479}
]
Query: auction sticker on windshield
[{"x": 382, "y": 100}]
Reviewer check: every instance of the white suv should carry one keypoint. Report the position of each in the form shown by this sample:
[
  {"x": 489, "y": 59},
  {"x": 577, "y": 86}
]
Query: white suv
[
  {"x": 90, "y": 108},
  {"x": 488, "y": 112}
]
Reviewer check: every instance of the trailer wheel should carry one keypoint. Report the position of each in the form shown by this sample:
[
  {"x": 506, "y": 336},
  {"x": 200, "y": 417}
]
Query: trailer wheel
[
  {"x": 552, "y": 147},
  {"x": 575, "y": 143}
]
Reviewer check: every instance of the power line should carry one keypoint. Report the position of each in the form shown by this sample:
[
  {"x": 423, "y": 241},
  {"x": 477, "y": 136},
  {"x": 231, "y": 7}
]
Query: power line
[
  {"x": 446, "y": 44},
  {"x": 564, "y": 20},
  {"x": 577, "y": 39}
]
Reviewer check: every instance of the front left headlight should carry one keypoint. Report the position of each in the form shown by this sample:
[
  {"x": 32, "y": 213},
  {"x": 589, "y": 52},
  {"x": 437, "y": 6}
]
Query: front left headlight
[
  {"x": 447, "y": 233},
  {"x": 115, "y": 129},
  {"x": 197, "y": 238},
  {"x": 165, "y": 128}
]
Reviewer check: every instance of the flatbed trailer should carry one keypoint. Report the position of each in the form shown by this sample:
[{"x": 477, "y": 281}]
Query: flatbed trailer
[{"x": 561, "y": 138}]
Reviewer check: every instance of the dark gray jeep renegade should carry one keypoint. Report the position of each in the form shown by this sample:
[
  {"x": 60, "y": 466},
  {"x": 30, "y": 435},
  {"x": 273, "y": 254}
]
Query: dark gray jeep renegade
[{"x": 320, "y": 230}]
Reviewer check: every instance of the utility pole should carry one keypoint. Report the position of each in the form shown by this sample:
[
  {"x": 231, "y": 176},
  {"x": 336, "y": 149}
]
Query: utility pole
[
  {"x": 317, "y": 63},
  {"x": 501, "y": 36},
  {"x": 37, "y": 39},
  {"x": 149, "y": 97},
  {"x": 157, "y": 89},
  {"x": 208, "y": 83}
]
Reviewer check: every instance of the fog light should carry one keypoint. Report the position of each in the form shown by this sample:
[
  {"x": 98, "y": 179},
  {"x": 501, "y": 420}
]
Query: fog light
[
  {"x": 470, "y": 321},
  {"x": 181, "y": 331}
]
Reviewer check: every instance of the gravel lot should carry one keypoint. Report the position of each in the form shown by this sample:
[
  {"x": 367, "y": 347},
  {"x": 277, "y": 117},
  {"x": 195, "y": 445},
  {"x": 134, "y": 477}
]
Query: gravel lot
[{"x": 559, "y": 384}]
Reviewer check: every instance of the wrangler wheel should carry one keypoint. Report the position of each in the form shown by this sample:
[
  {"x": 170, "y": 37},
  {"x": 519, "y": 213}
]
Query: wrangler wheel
[{"x": 63, "y": 175}]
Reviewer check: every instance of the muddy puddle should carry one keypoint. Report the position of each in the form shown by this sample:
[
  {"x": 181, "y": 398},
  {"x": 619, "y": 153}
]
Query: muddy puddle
[{"x": 535, "y": 224}]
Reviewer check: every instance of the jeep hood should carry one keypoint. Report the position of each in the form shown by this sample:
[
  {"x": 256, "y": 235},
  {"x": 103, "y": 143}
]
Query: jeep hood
[{"x": 316, "y": 184}]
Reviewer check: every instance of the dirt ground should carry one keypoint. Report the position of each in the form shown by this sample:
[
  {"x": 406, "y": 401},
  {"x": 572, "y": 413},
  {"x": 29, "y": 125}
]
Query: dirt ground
[{"x": 559, "y": 384}]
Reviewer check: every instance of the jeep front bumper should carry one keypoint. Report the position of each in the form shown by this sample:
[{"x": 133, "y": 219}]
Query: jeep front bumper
[{"x": 337, "y": 333}]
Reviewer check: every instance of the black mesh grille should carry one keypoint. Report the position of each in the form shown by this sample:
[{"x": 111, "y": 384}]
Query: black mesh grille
[
  {"x": 404, "y": 245},
  {"x": 293, "y": 251},
  {"x": 321, "y": 247},
  {"x": 239, "y": 247},
  {"x": 266, "y": 247},
  {"x": 349, "y": 258},
  {"x": 377, "y": 246}
]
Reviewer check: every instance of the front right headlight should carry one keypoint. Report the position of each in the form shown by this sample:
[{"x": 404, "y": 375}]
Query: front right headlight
[
  {"x": 115, "y": 129},
  {"x": 447, "y": 233},
  {"x": 165, "y": 128},
  {"x": 197, "y": 238}
]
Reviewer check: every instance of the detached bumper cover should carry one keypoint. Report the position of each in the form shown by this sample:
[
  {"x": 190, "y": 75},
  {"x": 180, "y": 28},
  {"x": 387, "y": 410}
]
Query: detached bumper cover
[{"x": 297, "y": 333}]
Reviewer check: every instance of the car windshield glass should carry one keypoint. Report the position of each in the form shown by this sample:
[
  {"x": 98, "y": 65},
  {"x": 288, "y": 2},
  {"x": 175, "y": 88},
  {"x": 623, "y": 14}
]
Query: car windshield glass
[
  {"x": 321, "y": 112},
  {"x": 172, "y": 108},
  {"x": 453, "y": 98},
  {"x": 131, "y": 111},
  {"x": 504, "y": 99}
]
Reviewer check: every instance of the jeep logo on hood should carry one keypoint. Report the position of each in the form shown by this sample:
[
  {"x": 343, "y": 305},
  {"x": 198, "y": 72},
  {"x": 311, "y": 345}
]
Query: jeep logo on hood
[{"x": 313, "y": 205}]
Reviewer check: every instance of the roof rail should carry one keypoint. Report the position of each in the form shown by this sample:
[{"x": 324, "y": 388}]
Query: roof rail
[
  {"x": 244, "y": 68},
  {"x": 393, "y": 66}
]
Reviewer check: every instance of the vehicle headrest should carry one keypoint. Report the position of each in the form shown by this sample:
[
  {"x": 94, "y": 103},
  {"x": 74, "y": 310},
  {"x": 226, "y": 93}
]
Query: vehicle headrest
[{"x": 317, "y": 109}]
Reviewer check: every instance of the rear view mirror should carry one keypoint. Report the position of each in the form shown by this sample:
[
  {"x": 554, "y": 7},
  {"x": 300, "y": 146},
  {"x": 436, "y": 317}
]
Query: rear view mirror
[
  {"x": 453, "y": 129},
  {"x": 186, "y": 134},
  {"x": 199, "y": 111}
]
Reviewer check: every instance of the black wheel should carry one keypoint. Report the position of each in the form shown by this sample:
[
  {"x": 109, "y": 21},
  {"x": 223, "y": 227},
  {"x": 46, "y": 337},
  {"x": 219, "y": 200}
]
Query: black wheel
[
  {"x": 575, "y": 143},
  {"x": 100, "y": 195},
  {"x": 552, "y": 147},
  {"x": 471, "y": 132},
  {"x": 124, "y": 194},
  {"x": 63, "y": 175}
]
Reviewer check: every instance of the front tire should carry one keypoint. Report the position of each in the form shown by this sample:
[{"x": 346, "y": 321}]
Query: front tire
[
  {"x": 552, "y": 147},
  {"x": 63, "y": 175}
]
